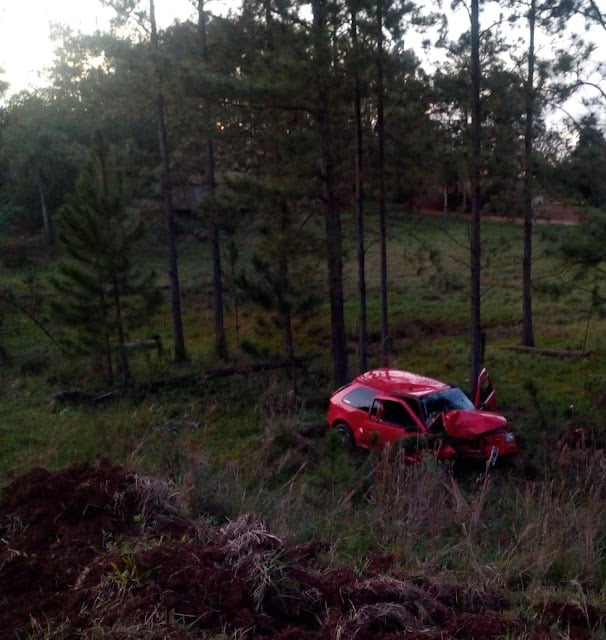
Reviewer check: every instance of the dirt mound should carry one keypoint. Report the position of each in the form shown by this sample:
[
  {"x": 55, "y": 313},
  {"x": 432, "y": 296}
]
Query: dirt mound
[{"x": 96, "y": 551}]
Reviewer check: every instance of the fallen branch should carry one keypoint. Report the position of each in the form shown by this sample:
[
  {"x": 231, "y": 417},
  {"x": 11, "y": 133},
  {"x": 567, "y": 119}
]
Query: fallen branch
[
  {"x": 83, "y": 395},
  {"x": 154, "y": 343},
  {"x": 225, "y": 372},
  {"x": 177, "y": 382},
  {"x": 553, "y": 353}
]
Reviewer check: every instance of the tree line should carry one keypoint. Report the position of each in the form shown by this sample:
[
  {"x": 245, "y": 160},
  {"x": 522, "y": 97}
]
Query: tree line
[{"x": 280, "y": 117}]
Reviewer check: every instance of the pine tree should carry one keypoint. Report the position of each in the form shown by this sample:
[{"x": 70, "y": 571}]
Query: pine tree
[
  {"x": 104, "y": 295},
  {"x": 280, "y": 281}
]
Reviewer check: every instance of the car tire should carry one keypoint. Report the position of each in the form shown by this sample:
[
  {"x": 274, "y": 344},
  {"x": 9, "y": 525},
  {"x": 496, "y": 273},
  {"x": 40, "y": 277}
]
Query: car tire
[{"x": 346, "y": 435}]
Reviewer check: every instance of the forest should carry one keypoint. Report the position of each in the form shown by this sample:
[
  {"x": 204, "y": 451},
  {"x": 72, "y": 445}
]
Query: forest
[
  {"x": 206, "y": 228},
  {"x": 279, "y": 119}
]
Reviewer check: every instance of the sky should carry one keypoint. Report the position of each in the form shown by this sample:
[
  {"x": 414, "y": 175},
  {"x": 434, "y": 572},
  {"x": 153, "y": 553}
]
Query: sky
[{"x": 25, "y": 47}]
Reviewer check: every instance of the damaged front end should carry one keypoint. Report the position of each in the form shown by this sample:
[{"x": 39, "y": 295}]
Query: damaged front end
[{"x": 473, "y": 435}]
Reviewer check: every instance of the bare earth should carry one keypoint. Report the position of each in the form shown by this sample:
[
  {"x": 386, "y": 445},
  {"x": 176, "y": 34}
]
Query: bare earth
[
  {"x": 94, "y": 551},
  {"x": 552, "y": 213}
]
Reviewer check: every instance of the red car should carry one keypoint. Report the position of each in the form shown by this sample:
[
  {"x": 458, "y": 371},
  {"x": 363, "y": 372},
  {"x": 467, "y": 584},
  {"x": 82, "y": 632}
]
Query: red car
[{"x": 385, "y": 405}]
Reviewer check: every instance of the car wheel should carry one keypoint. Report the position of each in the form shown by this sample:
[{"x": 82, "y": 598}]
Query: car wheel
[{"x": 347, "y": 438}]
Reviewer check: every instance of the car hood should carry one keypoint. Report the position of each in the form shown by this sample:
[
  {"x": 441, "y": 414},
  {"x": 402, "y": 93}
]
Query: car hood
[{"x": 471, "y": 424}]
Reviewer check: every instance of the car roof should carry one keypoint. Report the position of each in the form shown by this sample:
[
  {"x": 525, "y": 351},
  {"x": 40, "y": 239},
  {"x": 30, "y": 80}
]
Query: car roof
[{"x": 396, "y": 382}]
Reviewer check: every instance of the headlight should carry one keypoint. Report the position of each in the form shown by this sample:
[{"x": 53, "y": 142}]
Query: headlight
[{"x": 510, "y": 437}]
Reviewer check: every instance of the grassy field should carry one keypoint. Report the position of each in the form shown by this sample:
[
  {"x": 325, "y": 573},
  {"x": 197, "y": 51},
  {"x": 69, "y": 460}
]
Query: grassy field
[{"x": 239, "y": 443}]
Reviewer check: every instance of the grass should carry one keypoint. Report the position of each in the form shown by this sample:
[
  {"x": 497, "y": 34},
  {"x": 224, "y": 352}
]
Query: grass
[{"x": 238, "y": 444}]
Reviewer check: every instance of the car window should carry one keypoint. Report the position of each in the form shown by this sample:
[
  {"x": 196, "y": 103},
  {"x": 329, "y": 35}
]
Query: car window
[
  {"x": 395, "y": 413},
  {"x": 414, "y": 405},
  {"x": 376, "y": 411},
  {"x": 447, "y": 400},
  {"x": 360, "y": 398}
]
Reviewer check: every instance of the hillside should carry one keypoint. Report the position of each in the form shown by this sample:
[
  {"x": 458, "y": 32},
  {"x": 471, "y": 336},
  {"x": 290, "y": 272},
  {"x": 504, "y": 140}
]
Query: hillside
[{"x": 278, "y": 531}]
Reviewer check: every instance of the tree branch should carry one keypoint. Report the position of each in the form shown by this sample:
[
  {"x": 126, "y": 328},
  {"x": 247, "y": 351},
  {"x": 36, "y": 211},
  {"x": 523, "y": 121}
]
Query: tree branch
[{"x": 9, "y": 297}]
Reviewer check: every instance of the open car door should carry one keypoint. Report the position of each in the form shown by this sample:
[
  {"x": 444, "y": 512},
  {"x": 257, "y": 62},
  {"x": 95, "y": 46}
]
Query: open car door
[{"x": 485, "y": 396}]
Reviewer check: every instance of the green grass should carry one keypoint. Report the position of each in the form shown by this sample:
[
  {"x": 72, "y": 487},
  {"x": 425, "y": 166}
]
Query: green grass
[
  {"x": 429, "y": 317},
  {"x": 234, "y": 444}
]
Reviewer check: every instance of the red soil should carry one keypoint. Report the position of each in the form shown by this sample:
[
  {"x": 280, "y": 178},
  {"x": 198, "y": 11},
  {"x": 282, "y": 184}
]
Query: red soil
[{"x": 96, "y": 551}]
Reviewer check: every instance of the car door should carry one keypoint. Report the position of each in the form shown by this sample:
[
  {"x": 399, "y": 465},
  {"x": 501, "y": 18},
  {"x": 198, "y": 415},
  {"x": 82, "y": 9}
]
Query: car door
[
  {"x": 485, "y": 396},
  {"x": 389, "y": 420}
]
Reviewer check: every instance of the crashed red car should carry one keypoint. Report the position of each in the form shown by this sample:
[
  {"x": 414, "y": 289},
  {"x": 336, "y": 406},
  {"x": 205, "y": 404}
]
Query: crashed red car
[{"x": 383, "y": 406}]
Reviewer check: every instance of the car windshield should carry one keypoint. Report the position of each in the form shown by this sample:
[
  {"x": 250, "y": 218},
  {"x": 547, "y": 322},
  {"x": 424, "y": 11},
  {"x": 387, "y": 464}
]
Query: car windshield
[{"x": 447, "y": 400}]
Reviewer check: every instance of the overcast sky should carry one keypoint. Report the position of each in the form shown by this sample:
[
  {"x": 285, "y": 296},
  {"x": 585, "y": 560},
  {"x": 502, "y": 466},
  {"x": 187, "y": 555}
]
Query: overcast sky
[{"x": 25, "y": 48}]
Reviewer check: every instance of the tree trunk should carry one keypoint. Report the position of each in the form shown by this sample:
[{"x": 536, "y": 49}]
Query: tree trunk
[
  {"x": 108, "y": 359},
  {"x": 107, "y": 347},
  {"x": 47, "y": 226},
  {"x": 527, "y": 323},
  {"x": 289, "y": 340},
  {"x": 289, "y": 345},
  {"x": 334, "y": 247},
  {"x": 232, "y": 256},
  {"x": 385, "y": 337},
  {"x": 476, "y": 267},
  {"x": 220, "y": 338},
  {"x": 167, "y": 200},
  {"x": 214, "y": 235},
  {"x": 124, "y": 366},
  {"x": 361, "y": 250},
  {"x": 286, "y": 309},
  {"x": 334, "y": 233}
]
